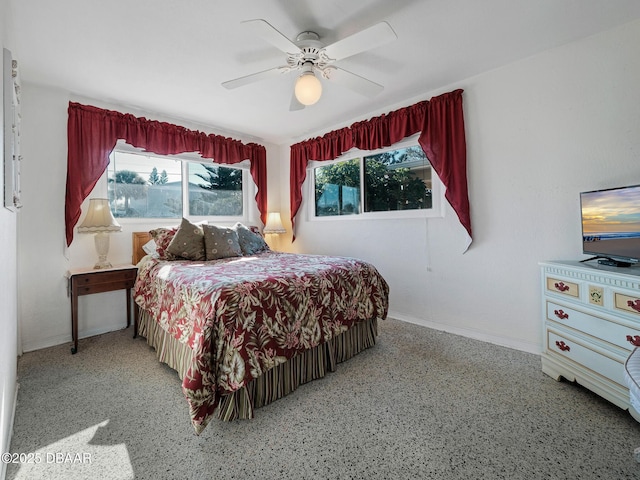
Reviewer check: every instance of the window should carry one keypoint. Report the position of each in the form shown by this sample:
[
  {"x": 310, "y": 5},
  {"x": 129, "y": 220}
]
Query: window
[
  {"x": 145, "y": 186},
  {"x": 214, "y": 190},
  {"x": 397, "y": 180},
  {"x": 384, "y": 183},
  {"x": 337, "y": 188}
]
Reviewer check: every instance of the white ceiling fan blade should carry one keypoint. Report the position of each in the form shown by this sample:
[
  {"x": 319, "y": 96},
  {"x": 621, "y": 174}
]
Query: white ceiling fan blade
[
  {"x": 295, "y": 104},
  {"x": 254, "y": 77},
  {"x": 268, "y": 32},
  {"x": 354, "y": 82},
  {"x": 367, "y": 39}
]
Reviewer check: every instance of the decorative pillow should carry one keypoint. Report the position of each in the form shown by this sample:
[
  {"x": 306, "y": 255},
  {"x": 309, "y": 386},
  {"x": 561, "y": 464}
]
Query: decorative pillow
[
  {"x": 150, "y": 247},
  {"x": 163, "y": 237},
  {"x": 250, "y": 241},
  {"x": 188, "y": 241},
  {"x": 221, "y": 242}
]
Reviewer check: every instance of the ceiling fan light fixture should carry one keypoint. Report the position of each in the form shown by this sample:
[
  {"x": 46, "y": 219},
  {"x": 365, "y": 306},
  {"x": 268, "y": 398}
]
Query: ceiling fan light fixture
[{"x": 308, "y": 88}]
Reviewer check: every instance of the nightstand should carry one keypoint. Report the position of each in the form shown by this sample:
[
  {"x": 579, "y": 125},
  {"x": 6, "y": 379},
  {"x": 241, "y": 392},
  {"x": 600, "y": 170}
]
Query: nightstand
[{"x": 88, "y": 281}]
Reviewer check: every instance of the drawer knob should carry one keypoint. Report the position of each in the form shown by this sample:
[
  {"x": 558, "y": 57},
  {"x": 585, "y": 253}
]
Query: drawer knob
[
  {"x": 635, "y": 340},
  {"x": 560, "y": 286},
  {"x": 635, "y": 304},
  {"x": 562, "y": 346},
  {"x": 561, "y": 315}
]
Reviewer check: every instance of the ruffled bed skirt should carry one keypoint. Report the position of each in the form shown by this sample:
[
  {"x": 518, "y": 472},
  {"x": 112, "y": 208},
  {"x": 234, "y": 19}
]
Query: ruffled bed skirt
[{"x": 275, "y": 383}]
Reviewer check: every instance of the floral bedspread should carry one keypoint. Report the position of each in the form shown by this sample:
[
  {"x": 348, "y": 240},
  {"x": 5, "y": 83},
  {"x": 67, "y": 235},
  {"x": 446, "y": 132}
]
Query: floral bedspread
[{"x": 244, "y": 315}]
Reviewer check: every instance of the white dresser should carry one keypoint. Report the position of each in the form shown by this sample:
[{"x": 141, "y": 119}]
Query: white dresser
[{"x": 590, "y": 324}]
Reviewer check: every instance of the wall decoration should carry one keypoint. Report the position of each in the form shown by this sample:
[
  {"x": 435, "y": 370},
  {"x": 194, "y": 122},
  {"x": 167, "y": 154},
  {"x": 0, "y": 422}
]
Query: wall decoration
[{"x": 11, "y": 131}]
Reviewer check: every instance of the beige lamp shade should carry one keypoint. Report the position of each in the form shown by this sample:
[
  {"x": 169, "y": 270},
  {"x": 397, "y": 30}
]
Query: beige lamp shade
[
  {"x": 274, "y": 224},
  {"x": 99, "y": 218}
]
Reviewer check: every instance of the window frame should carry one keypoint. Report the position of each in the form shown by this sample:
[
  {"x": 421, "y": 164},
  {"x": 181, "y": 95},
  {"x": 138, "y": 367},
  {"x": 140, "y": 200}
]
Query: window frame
[
  {"x": 437, "y": 189},
  {"x": 249, "y": 190}
]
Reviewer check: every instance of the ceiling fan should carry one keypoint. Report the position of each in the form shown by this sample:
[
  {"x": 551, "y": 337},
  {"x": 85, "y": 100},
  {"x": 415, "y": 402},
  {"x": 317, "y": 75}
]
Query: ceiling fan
[{"x": 308, "y": 55}]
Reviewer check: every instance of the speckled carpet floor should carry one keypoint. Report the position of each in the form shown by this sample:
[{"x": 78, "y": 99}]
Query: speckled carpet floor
[{"x": 421, "y": 404}]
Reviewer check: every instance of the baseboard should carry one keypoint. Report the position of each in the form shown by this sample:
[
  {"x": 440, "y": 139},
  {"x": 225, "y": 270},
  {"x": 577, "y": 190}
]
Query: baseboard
[
  {"x": 9, "y": 433},
  {"x": 62, "y": 339},
  {"x": 471, "y": 333}
]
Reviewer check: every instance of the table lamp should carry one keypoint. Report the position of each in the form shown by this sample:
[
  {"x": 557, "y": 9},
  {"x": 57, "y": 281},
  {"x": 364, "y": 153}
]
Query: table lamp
[
  {"x": 274, "y": 224},
  {"x": 100, "y": 221}
]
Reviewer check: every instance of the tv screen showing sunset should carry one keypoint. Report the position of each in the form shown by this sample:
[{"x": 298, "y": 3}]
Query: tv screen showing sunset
[{"x": 611, "y": 222}]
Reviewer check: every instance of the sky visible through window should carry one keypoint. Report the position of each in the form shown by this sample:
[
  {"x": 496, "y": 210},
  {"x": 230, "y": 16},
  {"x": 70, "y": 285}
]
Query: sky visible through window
[{"x": 143, "y": 164}]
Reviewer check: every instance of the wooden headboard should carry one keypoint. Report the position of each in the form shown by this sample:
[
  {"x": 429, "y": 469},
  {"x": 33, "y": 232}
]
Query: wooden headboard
[{"x": 139, "y": 239}]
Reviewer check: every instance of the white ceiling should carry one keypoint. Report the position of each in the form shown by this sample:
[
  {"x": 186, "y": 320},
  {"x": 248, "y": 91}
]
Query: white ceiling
[{"x": 169, "y": 57}]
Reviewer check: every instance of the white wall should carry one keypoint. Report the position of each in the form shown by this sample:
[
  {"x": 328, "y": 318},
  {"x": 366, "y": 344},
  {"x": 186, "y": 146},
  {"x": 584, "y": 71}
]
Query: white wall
[
  {"x": 8, "y": 291},
  {"x": 539, "y": 131}
]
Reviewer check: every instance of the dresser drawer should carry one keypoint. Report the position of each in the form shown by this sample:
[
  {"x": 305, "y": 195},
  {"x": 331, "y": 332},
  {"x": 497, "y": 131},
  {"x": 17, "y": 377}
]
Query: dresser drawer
[
  {"x": 591, "y": 325},
  {"x": 105, "y": 277},
  {"x": 581, "y": 354},
  {"x": 102, "y": 287},
  {"x": 563, "y": 287},
  {"x": 103, "y": 281},
  {"x": 627, "y": 303}
]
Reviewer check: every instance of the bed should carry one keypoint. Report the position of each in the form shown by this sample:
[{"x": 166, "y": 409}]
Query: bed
[{"x": 245, "y": 330}]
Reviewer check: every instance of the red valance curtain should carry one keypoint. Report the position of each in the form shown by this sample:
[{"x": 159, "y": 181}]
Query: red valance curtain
[
  {"x": 440, "y": 122},
  {"x": 92, "y": 134}
]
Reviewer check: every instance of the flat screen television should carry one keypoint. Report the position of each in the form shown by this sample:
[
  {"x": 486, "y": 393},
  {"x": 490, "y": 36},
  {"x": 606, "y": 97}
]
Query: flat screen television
[{"x": 611, "y": 225}]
